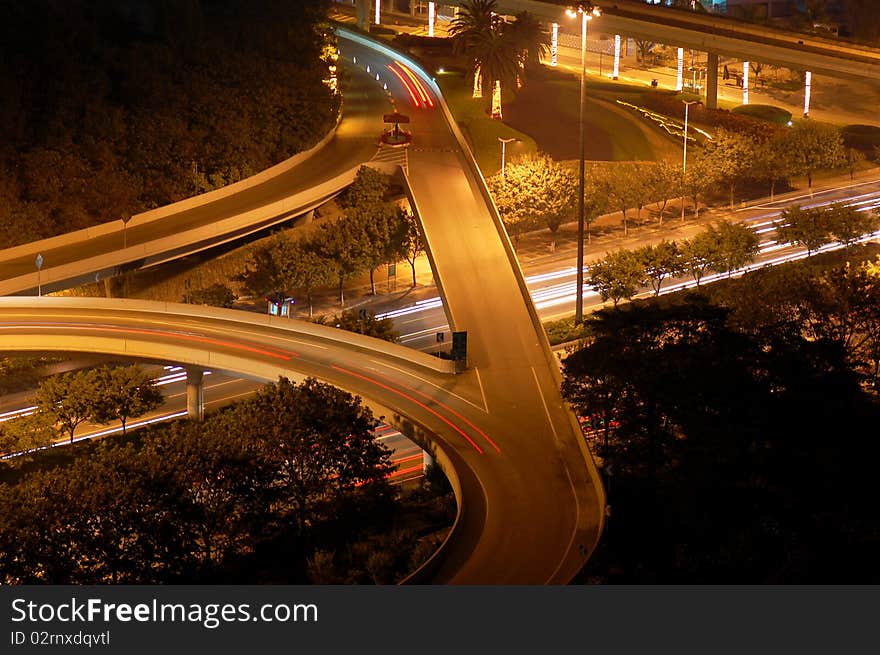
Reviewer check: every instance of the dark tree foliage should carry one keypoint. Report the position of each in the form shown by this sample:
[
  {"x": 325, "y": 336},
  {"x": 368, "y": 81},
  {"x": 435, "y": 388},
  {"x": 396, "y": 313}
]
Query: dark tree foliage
[
  {"x": 733, "y": 452},
  {"x": 363, "y": 322},
  {"x": 110, "y": 108},
  {"x": 246, "y": 495}
]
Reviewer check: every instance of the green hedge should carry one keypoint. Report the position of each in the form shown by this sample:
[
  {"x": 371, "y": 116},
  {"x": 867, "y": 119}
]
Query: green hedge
[
  {"x": 765, "y": 113},
  {"x": 862, "y": 137}
]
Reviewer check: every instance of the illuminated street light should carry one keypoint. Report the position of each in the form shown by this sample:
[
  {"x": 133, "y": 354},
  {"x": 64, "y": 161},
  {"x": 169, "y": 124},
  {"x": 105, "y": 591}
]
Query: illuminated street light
[
  {"x": 679, "y": 80},
  {"x": 808, "y": 83},
  {"x": 616, "y": 71},
  {"x": 587, "y": 10},
  {"x": 504, "y": 143},
  {"x": 684, "y": 159}
]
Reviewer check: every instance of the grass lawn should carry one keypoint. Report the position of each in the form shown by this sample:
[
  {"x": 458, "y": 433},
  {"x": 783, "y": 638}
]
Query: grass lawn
[
  {"x": 544, "y": 116},
  {"x": 481, "y": 131}
]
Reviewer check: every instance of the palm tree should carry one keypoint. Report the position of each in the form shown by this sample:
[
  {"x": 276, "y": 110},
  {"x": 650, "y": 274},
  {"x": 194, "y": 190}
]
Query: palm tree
[
  {"x": 529, "y": 39},
  {"x": 496, "y": 54},
  {"x": 476, "y": 20},
  {"x": 497, "y": 49}
]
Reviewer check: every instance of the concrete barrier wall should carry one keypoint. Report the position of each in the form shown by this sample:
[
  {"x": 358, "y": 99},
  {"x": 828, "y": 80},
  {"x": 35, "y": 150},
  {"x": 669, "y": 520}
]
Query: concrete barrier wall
[
  {"x": 198, "y": 238},
  {"x": 169, "y": 314}
]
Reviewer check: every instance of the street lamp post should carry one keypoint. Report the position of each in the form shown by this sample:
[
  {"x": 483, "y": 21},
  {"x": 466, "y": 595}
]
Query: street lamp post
[
  {"x": 684, "y": 159},
  {"x": 587, "y": 11},
  {"x": 504, "y": 143}
]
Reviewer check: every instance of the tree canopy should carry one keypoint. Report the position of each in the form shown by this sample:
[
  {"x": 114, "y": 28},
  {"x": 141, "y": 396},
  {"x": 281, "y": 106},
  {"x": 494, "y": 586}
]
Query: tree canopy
[{"x": 109, "y": 109}]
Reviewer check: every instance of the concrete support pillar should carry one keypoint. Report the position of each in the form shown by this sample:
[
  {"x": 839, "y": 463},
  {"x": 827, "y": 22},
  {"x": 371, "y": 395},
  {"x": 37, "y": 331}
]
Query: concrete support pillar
[
  {"x": 363, "y": 9},
  {"x": 427, "y": 459},
  {"x": 712, "y": 81},
  {"x": 745, "y": 82},
  {"x": 195, "y": 393}
]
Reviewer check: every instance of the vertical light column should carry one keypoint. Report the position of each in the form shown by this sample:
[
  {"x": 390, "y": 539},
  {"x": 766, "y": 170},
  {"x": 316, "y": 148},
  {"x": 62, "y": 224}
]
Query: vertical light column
[
  {"x": 378, "y": 8},
  {"x": 616, "y": 56},
  {"x": 431, "y": 19},
  {"x": 808, "y": 83},
  {"x": 554, "y": 43},
  {"x": 679, "y": 80},
  {"x": 745, "y": 82},
  {"x": 496, "y": 101}
]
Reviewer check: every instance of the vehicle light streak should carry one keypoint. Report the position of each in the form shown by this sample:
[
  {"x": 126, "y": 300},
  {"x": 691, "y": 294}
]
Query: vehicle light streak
[
  {"x": 102, "y": 433},
  {"x": 413, "y": 400},
  {"x": 448, "y": 408},
  {"x": 423, "y": 92},
  {"x": 412, "y": 93}
]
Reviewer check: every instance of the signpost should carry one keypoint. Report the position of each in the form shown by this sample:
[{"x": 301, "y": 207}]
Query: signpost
[
  {"x": 396, "y": 136},
  {"x": 39, "y": 263},
  {"x": 459, "y": 346}
]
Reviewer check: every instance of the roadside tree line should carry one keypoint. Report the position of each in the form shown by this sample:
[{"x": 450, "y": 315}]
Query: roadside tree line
[
  {"x": 722, "y": 248},
  {"x": 537, "y": 192},
  {"x": 63, "y": 402},
  {"x": 370, "y": 233},
  {"x": 814, "y": 227}
]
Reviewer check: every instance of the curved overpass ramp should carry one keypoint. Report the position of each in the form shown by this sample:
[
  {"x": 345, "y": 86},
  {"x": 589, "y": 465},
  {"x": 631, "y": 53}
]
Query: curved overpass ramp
[
  {"x": 515, "y": 524},
  {"x": 287, "y": 190},
  {"x": 532, "y": 504}
]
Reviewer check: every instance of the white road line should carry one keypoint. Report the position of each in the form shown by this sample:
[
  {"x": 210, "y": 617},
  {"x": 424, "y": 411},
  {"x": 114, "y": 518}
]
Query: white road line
[
  {"x": 436, "y": 386},
  {"x": 482, "y": 392},
  {"x": 546, "y": 409}
]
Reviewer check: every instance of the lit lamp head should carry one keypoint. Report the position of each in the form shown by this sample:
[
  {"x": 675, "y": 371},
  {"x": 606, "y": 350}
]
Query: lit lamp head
[{"x": 588, "y": 9}]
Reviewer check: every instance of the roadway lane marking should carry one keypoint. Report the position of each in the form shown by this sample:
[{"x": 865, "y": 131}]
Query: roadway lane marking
[
  {"x": 448, "y": 408},
  {"x": 544, "y": 402},
  {"x": 436, "y": 386},
  {"x": 577, "y": 504},
  {"x": 482, "y": 392},
  {"x": 417, "y": 402}
]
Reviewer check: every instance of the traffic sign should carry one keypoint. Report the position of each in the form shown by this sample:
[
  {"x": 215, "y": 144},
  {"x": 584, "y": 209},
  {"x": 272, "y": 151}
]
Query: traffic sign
[{"x": 459, "y": 346}]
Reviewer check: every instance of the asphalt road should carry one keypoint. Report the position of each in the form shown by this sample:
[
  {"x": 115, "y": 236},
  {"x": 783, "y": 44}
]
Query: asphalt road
[
  {"x": 552, "y": 282},
  {"x": 538, "y": 463}
]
